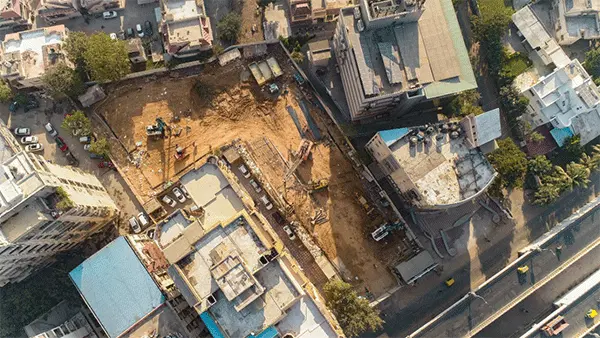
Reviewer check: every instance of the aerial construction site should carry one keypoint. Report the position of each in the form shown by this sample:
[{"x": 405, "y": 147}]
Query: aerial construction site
[{"x": 164, "y": 128}]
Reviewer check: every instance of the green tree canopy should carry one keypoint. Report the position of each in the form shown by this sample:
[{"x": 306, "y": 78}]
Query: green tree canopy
[
  {"x": 297, "y": 56},
  {"x": 77, "y": 121},
  {"x": 540, "y": 166},
  {"x": 536, "y": 137},
  {"x": 229, "y": 27},
  {"x": 354, "y": 314},
  {"x": 547, "y": 193},
  {"x": 493, "y": 21},
  {"x": 465, "y": 103},
  {"x": 5, "y": 92},
  {"x": 579, "y": 174},
  {"x": 510, "y": 163},
  {"x": 106, "y": 59},
  {"x": 62, "y": 80},
  {"x": 592, "y": 64},
  {"x": 100, "y": 147},
  {"x": 75, "y": 45}
]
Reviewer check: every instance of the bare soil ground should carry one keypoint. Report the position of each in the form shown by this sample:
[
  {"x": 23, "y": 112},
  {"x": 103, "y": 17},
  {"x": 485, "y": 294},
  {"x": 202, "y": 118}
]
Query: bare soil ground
[
  {"x": 229, "y": 106},
  {"x": 250, "y": 17}
]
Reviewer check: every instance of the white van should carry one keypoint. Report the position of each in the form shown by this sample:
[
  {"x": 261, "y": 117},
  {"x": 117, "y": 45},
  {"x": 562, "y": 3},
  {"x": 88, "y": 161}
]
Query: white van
[
  {"x": 266, "y": 202},
  {"x": 244, "y": 171},
  {"x": 143, "y": 219}
]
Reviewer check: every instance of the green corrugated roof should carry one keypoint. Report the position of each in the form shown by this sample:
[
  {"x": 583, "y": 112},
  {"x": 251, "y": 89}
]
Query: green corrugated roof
[{"x": 467, "y": 77}]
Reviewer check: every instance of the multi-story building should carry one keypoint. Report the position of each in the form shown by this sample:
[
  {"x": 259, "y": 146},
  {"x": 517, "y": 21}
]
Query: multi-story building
[
  {"x": 99, "y": 6},
  {"x": 58, "y": 10},
  {"x": 15, "y": 15},
  {"x": 185, "y": 27},
  {"x": 27, "y": 55},
  {"x": 394, "y": 54},
  {"x": 315, "y": 11},
  {"x": 231, "y": 267},
  {"x": 438, "y": 166},
  {"x": 566, "y": 101},
  {"x": 66, "y": 320},
  {"x": 45, "y": 208}
]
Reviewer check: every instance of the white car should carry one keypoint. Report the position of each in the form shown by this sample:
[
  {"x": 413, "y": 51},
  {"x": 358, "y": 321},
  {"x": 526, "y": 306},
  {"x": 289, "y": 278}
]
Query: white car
[
  {"x": 134, "y": 225},
  {"x": 168, "y": 200},
  {"x": 184, "y": 191},
  {"x": 143, "y": 219},
  {"x": 87, "y": 147},
  {"x": 179, "y": 195},
  {"x": 255, "y": 185},
  {"x": 29, "y": 139},
  {"x": 34, "y": 147},
  {"x": 244, "y": 171},
  {"x": 138, "y": 29},
  {"x": 109, "y": 15},
  {"x": 266, "y": 202},
  {"x": 113, "y": 36},
  {"x": 22, "y": 131},
  {"x": 289, "y": 232},
  {"x": 50, "y": 129}
]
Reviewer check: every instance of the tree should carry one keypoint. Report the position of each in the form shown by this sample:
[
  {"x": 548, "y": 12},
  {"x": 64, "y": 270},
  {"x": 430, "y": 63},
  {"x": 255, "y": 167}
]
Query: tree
[
  {"x": 5, "y": 92},
  {"x": 465, "y": 104},
  {"x": 65, "y": 201},
  {"x": 493, "y": 21},
  {"x": 229, "y": 27},
  {"x": 62, "y": 80},
  {"x": 572, "y": 149},
  {"x": 536, "y": 137},
  {"x": 75, "y": 46},
  {"x": 354, "y": 314},
  {"x": 297, "y": 56},
  {"x": 100, "y": 147},
  {"x": 560, "y": 178},
  {"x": 547, "y": 193},
  {"x": 592, "y": 64},
  {"x": 510, "y": 162},
  {"x": 77, "y": 121},
  {"x": 106, "y": 59},
  {"x": 590, "y": 162},
  {"x": 579, "y": 174},
  {"x": 540, "y": 166}
]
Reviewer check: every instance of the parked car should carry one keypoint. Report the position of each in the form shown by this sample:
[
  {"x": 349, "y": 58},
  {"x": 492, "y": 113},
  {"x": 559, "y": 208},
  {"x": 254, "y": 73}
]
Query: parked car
[
  {"x": 148, "y": 28},
  {"x": 168, "y": 200},
  {"x": 113, "y": 36},
  {"x": 289, "y": 232},
  {"x": 29, "y": 139},
  {"x": 106, "y": 164},
  {"x": 129, "y": 33},
  {"x": 179, "y": 195},
  {"x": 96, "y": 156},
  {"x": 109, "y": 15},
  {"x": 138, "y": 29},
  {"x": 244, "y": 171},
  {"x": 87, "y": 147},
  {"x": 255, "y": 185},
  {"x": 143, "y": 219},
  {"x": 62, "y": 145},
  {"x": 22, "y": 131},
  {"x": 184, "y": 191},
  {"x": 13, "y": 106},
  {"x": 134, "y": 225},
  {"x": 85, "y": 139},
  {"x": 266, "y": 202},
  {"x": 34, "y": 147},
  {"x": 278, "y": 218},
  {"x": 50, "y": 129}
]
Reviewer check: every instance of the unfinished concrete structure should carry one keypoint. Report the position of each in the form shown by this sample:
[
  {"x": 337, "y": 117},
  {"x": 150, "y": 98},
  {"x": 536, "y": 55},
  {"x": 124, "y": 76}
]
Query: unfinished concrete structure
[
  {"x": 395, "y": 54},
  {"x": 438, "y": 166},
  {"x": 27, "y": 55},
  {"x": 44, "y": 209},
  {"x": 231, "y": 267},
  {"x": 315, "y": 11},
  {"x": 58, "y": 10},
  {"x": 185, "y": 28}
]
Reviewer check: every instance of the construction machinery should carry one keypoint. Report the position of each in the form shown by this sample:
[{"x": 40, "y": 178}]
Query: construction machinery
[
  {"x": 319, "y": 217},
  {"x": 180, "y": 153},
  {"x": 301, "y": 155},
  {"x": 157, "y": 129},
  {"x": 318, "y": 185},
  {"x": 272, "y": 88}
]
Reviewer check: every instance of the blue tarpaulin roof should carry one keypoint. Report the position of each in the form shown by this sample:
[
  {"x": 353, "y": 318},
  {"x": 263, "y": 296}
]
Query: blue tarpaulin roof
[
  {"x": 116, "y": 287},
  {"x": 561, "y": 134},
  {"x": 211, "y": 325},
  {"x": 391, "y": 136}
]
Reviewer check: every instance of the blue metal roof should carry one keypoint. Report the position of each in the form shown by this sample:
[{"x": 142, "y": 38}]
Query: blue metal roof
[
  {"x": 116, "y": 287},
  {"x": 211, "y": 325},
  {"x": 561, "y": 134},
  {"x": 391, "y": 136}
]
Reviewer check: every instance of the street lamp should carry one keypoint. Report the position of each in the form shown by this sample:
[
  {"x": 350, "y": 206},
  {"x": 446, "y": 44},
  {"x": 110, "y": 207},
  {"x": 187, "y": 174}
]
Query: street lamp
[{"x": 540, "y": 250}]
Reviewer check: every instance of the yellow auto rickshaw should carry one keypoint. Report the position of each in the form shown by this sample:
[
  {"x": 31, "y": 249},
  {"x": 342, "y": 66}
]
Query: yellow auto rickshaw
[
  {"x": 591, "y": 314},
  {"x": 523, "y": 269},
  {"x": 449, "y": 282}
]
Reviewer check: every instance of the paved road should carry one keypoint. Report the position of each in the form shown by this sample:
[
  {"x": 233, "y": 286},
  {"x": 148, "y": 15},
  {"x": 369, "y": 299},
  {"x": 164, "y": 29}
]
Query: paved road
[
  {"x": 296, "y": 247},
  {"x": 472, "y": 314},
  {"x": 538, "y": 305}
]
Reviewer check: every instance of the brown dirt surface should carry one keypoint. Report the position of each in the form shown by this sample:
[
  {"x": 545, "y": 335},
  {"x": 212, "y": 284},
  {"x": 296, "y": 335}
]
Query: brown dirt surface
[
  {"x": 226, "y": 108},
  {"x": 250, "y": 17}
]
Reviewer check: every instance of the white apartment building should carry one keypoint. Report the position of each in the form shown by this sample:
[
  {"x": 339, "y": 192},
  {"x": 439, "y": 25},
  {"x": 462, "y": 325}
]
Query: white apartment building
[
  {"x": 45, "y": 208},
  {"x": 566, "y": 100},
  {"x": 185, "y": 27},
  {"x": 27, "y": 55}
]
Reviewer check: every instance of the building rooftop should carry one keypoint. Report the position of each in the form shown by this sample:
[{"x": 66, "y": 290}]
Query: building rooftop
[
  {"x": 116, "y": 287},
  {"x": 28, "y": 54},
  {"x": 187, "y": 24},
  {"x": 538, "y": 38},
  {"x": 162, "y": 323}
]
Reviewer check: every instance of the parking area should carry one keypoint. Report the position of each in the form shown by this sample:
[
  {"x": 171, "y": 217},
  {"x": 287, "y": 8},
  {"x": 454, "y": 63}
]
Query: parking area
[
  {"x": 128, "y": 17},
  {"x": 110, "y": 178}
]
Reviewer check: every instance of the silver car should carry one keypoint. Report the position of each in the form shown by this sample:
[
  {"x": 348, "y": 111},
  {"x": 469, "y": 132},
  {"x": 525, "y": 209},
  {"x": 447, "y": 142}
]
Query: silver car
[
  {"x": 29, "y": 139},
  {"x": 179, "y": 195},
  {"x": 169, "y": 201}
]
